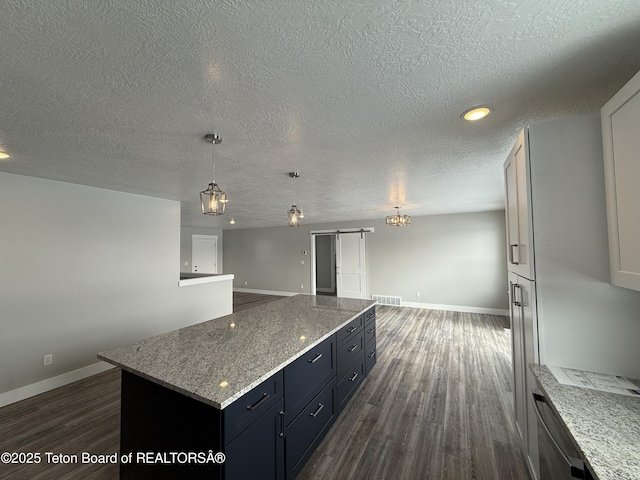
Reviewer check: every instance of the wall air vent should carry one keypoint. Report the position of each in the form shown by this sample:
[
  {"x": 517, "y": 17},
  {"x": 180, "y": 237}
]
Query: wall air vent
[{"x": 387, "y": 300}]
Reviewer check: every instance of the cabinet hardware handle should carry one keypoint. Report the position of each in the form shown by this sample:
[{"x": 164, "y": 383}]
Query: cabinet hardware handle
[
  {"x": 369, "y": 314},
  {"x": 511, "y": 254},
  {"x": 372, "y": 353},
  {"x": 315, "y": 414},
  {"x": 576, "y": 465},
  {"x": 316, "y": 358},
  {"x": 353, "y": 347},
  {"x": 265, "y": 397},
  {"x": 282, "y": 423},
  {"x": 516, "y": 302},
  {"x": 355, "y": 375},
  {"x": 372, "y": 330},
  {"x": 352, "y": 329}
]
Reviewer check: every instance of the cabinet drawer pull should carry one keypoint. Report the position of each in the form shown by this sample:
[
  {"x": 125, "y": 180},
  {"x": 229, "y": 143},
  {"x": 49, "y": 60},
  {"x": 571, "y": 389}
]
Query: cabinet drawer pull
[
  {"x": 355, "y": 375},
  {"x": 511, "y": 259},
  {"x": 315, "y": 414},
  {"x": 316, "y": 358},
  {"x": 372, "y": 330},
  {"x": 369, "y": 314},
  {"x": 352, "y": 329},
  {"x": 282, "y": 423},
  {"x": 265, "y": 397},
  {"x": 353, "y": 347},
  {"x": 372, "y": 354}
]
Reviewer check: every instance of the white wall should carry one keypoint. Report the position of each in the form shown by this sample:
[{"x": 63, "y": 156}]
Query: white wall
[
  {"x": 585, "y": 322},
  {"x": 85, "y": 269},
  {"x": 457, "y": 260}
]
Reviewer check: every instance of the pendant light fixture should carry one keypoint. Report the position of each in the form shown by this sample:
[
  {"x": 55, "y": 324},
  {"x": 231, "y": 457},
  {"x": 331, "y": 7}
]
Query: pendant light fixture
[
  {"x": 213, "y": 200},
  {"x": 294, "y": 214},
  {"x": 398, "y": 220}
]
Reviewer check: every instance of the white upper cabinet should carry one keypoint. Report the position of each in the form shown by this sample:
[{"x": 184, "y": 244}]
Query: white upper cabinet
[
  {"x": 621, "y": 144},
  {"x": 519, "y": 231}
]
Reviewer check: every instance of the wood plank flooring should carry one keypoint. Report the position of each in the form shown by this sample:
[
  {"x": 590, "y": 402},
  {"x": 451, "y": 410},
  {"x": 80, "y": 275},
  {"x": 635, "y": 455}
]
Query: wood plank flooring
[{"x": 437, "y": 405}]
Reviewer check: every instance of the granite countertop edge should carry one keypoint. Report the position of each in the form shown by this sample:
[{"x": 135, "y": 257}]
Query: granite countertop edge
[
  {"x": 115, "y": 357},
  {"x": 235, "y": 396},
  {"x": 569, "y": 402}
]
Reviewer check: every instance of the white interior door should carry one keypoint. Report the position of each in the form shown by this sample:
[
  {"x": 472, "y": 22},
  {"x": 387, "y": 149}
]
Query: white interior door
[
  {"x": 204, "y": 253},
  {"x": 351, "y": 271}
]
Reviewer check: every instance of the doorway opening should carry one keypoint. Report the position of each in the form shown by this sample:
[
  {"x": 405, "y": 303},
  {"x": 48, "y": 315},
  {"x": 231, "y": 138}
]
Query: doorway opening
[{"x": 338, "y": 265}]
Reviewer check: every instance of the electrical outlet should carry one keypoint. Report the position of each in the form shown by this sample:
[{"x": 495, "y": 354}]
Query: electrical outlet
[
  {"x": 245, "y": 282},
  {"x": 301, "y": 286},
  {"x": 48, "y": 359},
  {"x": 301, "y": 262},
  {"x": 417, "y": 294},
  {"x": 186, "y": 264}
]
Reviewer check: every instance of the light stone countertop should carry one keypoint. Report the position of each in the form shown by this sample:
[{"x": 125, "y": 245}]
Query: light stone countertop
[
  {"x": 220, "y": 360},
  {"x": 604, "y": 426}
]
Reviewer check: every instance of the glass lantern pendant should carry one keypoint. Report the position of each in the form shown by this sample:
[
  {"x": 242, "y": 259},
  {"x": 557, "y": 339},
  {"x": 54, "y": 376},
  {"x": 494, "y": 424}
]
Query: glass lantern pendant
[
  {"x": 213, "y": 201},
  {"x": 294, "y": 216}
]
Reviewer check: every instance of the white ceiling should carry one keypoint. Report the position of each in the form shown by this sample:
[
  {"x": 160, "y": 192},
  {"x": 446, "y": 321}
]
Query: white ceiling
[{"x": 363, "y": 98}]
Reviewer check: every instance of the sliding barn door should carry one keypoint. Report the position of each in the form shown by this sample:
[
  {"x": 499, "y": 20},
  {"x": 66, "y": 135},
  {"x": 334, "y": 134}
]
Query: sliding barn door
[{"x": 351, "y": 274}]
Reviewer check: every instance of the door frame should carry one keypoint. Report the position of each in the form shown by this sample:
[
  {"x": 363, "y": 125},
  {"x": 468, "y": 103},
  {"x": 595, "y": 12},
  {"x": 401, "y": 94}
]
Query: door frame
[{"x": 335, "y": 231}]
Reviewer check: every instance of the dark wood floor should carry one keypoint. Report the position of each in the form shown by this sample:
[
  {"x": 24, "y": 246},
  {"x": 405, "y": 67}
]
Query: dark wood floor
[{"x": 436, "y": 406}]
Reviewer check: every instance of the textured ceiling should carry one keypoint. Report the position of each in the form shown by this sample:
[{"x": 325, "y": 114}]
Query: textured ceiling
[{"x": 363, "y": 98}]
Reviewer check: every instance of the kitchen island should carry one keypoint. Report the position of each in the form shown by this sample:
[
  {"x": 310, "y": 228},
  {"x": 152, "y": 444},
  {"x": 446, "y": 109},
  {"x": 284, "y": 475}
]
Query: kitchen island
[{"x": 262, "y": 386}]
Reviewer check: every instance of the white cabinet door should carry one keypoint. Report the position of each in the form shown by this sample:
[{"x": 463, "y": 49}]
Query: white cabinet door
[
  {"x": 524, "y": 333},
  {"x": 621, "y": 144},
  {"x": 519, "y": 233}
]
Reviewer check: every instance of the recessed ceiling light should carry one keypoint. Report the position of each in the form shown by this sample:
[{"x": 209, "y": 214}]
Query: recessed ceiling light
[
  {"x": 4, "y": 155},
  {"x": 476, "y": 113}
]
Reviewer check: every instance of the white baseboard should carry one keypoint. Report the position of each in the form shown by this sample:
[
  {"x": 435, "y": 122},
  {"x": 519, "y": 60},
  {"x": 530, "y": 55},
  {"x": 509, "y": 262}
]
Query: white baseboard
[
  {"x": 37, "y": 388},
  {"x": 267, "y": 292},
  {"x": 457, "y": 308}
]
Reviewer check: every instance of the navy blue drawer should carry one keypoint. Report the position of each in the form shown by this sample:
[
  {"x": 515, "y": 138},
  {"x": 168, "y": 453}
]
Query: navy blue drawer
[
  {"x": 369, "y": 315},
  {"x": 350, "y": 350},
  {"x": 306, "y": 432},
  {"x": 369, "y": 360},
  {"x": 248, "y": 408},
  {"x": 307, "y": 375},
  {"x": 349, "y": 382},
  {"x": 353, "y": 326}
]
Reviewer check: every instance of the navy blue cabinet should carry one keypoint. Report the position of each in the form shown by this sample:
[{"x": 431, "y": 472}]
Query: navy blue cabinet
[
  {"x": 369, "y": 340},
  {"x": 307, "y": 375},
  {"x": 268, "y": 433},
  {"x": 306, "y": 431},
  {"x": 258, "y": 452}
]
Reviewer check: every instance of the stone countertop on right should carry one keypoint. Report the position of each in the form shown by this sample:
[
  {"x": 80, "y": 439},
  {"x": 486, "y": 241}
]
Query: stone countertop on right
[{"x": 604, "y": 426}]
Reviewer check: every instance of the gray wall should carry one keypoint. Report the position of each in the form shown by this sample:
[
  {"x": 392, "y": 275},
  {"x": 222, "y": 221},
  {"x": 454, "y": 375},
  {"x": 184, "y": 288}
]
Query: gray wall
[
  {"x": 585, "y": 322},
  {"x": 185, "y": 246},
  {"x": 457, "y": 260},
  {"x": 85, "y": 269},
  {"x": 323, "y": 261}
]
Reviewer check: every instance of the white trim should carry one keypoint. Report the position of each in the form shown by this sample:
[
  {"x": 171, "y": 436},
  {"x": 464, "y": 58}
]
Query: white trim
[
  {"x": 43, "y": 386},
  {"x": 209, "y": 279},
  {"x": 266, "y": 292},
  {"x": 457, "y": 308}
]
